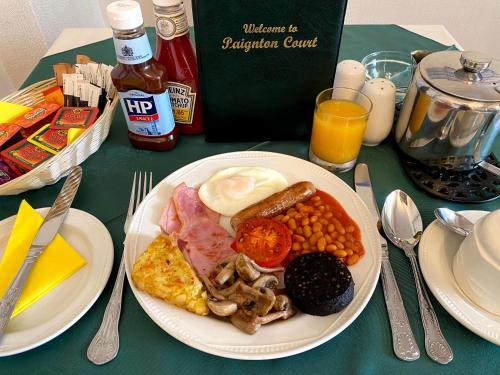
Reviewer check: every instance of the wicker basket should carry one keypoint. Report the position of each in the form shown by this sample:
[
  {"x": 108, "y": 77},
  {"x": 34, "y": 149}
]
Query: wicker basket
[{"x": 56, "y": 167}]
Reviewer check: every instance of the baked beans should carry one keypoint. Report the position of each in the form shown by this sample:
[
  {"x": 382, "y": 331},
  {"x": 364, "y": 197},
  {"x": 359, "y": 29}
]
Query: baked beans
[{"x": 321, "y": 224}]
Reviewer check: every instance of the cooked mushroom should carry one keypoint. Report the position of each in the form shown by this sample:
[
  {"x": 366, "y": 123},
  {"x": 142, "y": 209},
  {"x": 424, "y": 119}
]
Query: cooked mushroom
[
  {"x": 226, "y": 273},
  {"x": 285, "y": 314},
  {"x": 242, "y": 296},
  {"x": 245, "y": 322},
  {"x": 247, "y": 305},
  {"x": 282, "y": 303},
  {"x": 225, "y": 261},
  {"x": 265, "y": 269},
  {"x": 221, "y": 308},
  {"x": 245, "y": 268},
  {"x": 231, "y": 289},
  {"x": 211, "y": 288},
  {"x": 266, "y": 301},
  {"x": 266, "y": 281},
  {"x": 259, "y": 300}
]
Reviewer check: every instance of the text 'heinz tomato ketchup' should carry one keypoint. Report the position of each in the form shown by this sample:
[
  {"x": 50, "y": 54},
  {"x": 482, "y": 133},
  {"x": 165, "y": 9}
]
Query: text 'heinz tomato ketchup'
[
  {"x": 140, "y": 80},
  {"x": 175, "y": 51}
]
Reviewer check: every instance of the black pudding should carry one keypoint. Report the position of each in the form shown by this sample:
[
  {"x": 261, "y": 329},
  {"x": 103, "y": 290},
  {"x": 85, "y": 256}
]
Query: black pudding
[{"x": 319, "y": 283}]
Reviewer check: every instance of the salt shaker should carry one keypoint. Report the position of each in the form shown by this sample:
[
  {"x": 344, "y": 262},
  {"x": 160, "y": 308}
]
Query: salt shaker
[
  {"x": 382, "y": 93},
  {"x": 350, "y": 74}
]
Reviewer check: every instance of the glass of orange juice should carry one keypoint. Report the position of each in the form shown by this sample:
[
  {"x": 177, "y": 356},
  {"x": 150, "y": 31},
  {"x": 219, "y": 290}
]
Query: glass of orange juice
[{"x": 339, "y": 123}]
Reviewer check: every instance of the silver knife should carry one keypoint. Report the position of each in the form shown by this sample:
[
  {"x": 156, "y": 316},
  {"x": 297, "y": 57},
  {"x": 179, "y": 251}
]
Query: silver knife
[
  {"x": 403, "y": 342},
  {"x": 44, "y": 236}
]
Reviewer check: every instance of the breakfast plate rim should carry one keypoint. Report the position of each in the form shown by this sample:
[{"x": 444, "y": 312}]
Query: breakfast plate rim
[
  {"x": 99, "y": 274},
  {"x": 366, "y": 289},
  {"x": 448, "y": 293}
]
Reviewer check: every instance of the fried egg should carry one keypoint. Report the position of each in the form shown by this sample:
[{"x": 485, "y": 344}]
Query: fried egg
[{"x": 233, "y": 189}]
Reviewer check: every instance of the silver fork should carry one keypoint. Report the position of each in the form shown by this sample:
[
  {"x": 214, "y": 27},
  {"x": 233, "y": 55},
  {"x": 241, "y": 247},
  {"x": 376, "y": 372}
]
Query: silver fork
[{"x": 106, "y": 343}]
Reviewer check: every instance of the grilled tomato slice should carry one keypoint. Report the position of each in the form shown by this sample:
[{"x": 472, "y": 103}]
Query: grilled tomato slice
[{"x": 265, "y": 240}]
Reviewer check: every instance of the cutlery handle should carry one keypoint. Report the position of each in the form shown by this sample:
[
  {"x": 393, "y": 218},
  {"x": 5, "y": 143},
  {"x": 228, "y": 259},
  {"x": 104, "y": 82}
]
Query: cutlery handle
[
  {"x": 403, "y": 342},
  {"x": 435, "y": 344},
  {"x": 9, "y": 300},
  {"x": 105, "y": 344}
]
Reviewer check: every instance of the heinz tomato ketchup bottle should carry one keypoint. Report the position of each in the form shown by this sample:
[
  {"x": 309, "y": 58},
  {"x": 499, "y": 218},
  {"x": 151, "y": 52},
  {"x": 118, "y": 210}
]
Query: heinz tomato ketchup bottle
[
  {"x": 140, "y": 80},
  {"x": 175, "y": 51}
]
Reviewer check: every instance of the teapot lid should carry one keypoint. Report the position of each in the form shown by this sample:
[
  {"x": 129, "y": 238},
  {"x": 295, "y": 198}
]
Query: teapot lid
[{"x": 468, "y": 75}]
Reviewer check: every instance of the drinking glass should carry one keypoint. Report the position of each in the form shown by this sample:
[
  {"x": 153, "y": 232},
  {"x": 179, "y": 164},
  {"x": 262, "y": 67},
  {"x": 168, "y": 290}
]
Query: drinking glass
[
  {"x": 398, "y": 67},
  {"x": 340, "y": 118}
]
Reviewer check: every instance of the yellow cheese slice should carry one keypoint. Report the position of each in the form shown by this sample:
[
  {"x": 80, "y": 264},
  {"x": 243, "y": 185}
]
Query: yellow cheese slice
[
  {"x": 9, "y": 111},
  {"x": 57, "y": 262}
]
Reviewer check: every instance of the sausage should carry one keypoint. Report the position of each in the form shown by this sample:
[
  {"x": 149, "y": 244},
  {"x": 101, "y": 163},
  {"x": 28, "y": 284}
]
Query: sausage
[{"x": 275, "y": 204}]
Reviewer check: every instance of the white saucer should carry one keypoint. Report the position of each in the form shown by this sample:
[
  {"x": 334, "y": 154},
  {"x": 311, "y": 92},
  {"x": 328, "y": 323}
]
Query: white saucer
[
  {"x": 64, "y": 305},
  {"x": 436, "y": 251}
]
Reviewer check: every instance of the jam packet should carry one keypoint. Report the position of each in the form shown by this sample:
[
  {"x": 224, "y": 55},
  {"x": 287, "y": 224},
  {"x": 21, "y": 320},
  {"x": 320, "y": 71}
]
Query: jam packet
[
  {"x": 74, "y": 117},
  {"x": 51, "y": 140},
  {"x": 33, "y": 120},
  {"x": 9, "y": 134},
  {"x": 24, "y": 156}
]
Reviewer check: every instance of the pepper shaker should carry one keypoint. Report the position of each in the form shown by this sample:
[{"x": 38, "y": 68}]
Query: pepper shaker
[{"x": 382, "y": 93}]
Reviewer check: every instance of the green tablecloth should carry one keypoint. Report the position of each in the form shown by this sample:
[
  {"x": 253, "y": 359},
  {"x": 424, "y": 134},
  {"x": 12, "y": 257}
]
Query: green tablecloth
[{"x": 364, "y": 347}]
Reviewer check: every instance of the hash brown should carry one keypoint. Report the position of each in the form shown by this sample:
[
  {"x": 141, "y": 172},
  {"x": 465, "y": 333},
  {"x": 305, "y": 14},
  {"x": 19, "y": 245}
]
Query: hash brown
[{"x": 162, "y": 272}]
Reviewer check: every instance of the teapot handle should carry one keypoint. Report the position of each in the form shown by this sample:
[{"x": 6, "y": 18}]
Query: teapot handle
[
  {"x": 488, "y": 135},
  {"x": 419, "y": 54}
]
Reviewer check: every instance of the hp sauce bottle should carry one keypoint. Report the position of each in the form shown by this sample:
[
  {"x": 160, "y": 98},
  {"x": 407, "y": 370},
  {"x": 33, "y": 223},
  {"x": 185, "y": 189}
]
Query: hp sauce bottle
[{"x": 140, "y": 80}]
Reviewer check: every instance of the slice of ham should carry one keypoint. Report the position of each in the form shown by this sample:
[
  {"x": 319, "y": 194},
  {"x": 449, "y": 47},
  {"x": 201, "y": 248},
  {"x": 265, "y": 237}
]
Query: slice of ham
[
  {"x": 199, "y": 236},
  {"x": 206, "y": 244},
  {"x": 169, "y": 221},
  {"x": 186, "y": 202},
  {"x": 189, "y": 208}
]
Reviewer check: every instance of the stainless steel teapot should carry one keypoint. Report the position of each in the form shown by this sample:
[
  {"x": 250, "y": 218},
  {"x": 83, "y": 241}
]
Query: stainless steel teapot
[{"x": 451, "y": 113}]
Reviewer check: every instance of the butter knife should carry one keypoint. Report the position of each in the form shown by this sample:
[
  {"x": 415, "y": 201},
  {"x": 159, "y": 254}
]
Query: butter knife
[
  {"x": 44, "y": 236},
  {"x": 403, "y": 341}
]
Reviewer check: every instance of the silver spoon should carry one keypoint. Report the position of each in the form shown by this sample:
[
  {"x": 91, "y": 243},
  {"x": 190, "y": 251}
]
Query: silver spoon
[
  {"x": 454, "y": 221},
  {"x": 403, "y": 226}
]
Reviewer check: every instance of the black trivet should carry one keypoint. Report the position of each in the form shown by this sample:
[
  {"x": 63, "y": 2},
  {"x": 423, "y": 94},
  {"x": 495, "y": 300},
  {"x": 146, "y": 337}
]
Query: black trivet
[{"x": 474, "y": 186}]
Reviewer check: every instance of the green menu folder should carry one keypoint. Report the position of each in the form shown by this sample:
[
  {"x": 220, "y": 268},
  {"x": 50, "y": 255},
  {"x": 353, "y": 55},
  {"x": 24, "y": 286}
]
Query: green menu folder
[{"x": 262, "y": 63}]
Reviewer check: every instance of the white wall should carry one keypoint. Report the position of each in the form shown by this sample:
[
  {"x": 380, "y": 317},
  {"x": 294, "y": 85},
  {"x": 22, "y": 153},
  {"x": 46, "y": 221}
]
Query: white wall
[
  {"x": 474, "y": 24},
  {"x": 28, "y": 27},
  {"x": 53, "y": 16},
  {"x": 21, "y": 43}
]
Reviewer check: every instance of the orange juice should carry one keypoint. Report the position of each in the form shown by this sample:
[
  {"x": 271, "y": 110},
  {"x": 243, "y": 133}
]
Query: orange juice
[{"x": 338, "y": 130}]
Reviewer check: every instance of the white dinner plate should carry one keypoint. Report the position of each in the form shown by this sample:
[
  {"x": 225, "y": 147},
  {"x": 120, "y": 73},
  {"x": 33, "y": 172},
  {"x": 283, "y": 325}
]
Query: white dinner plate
[
  {"x": 436, "y": 251},
  {"x": 279, "y": 339},
  {"x": 64, "y": 305}
]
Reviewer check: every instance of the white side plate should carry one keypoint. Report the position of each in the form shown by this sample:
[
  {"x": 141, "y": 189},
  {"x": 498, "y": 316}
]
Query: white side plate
[{"x": 64, "y": 305}]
